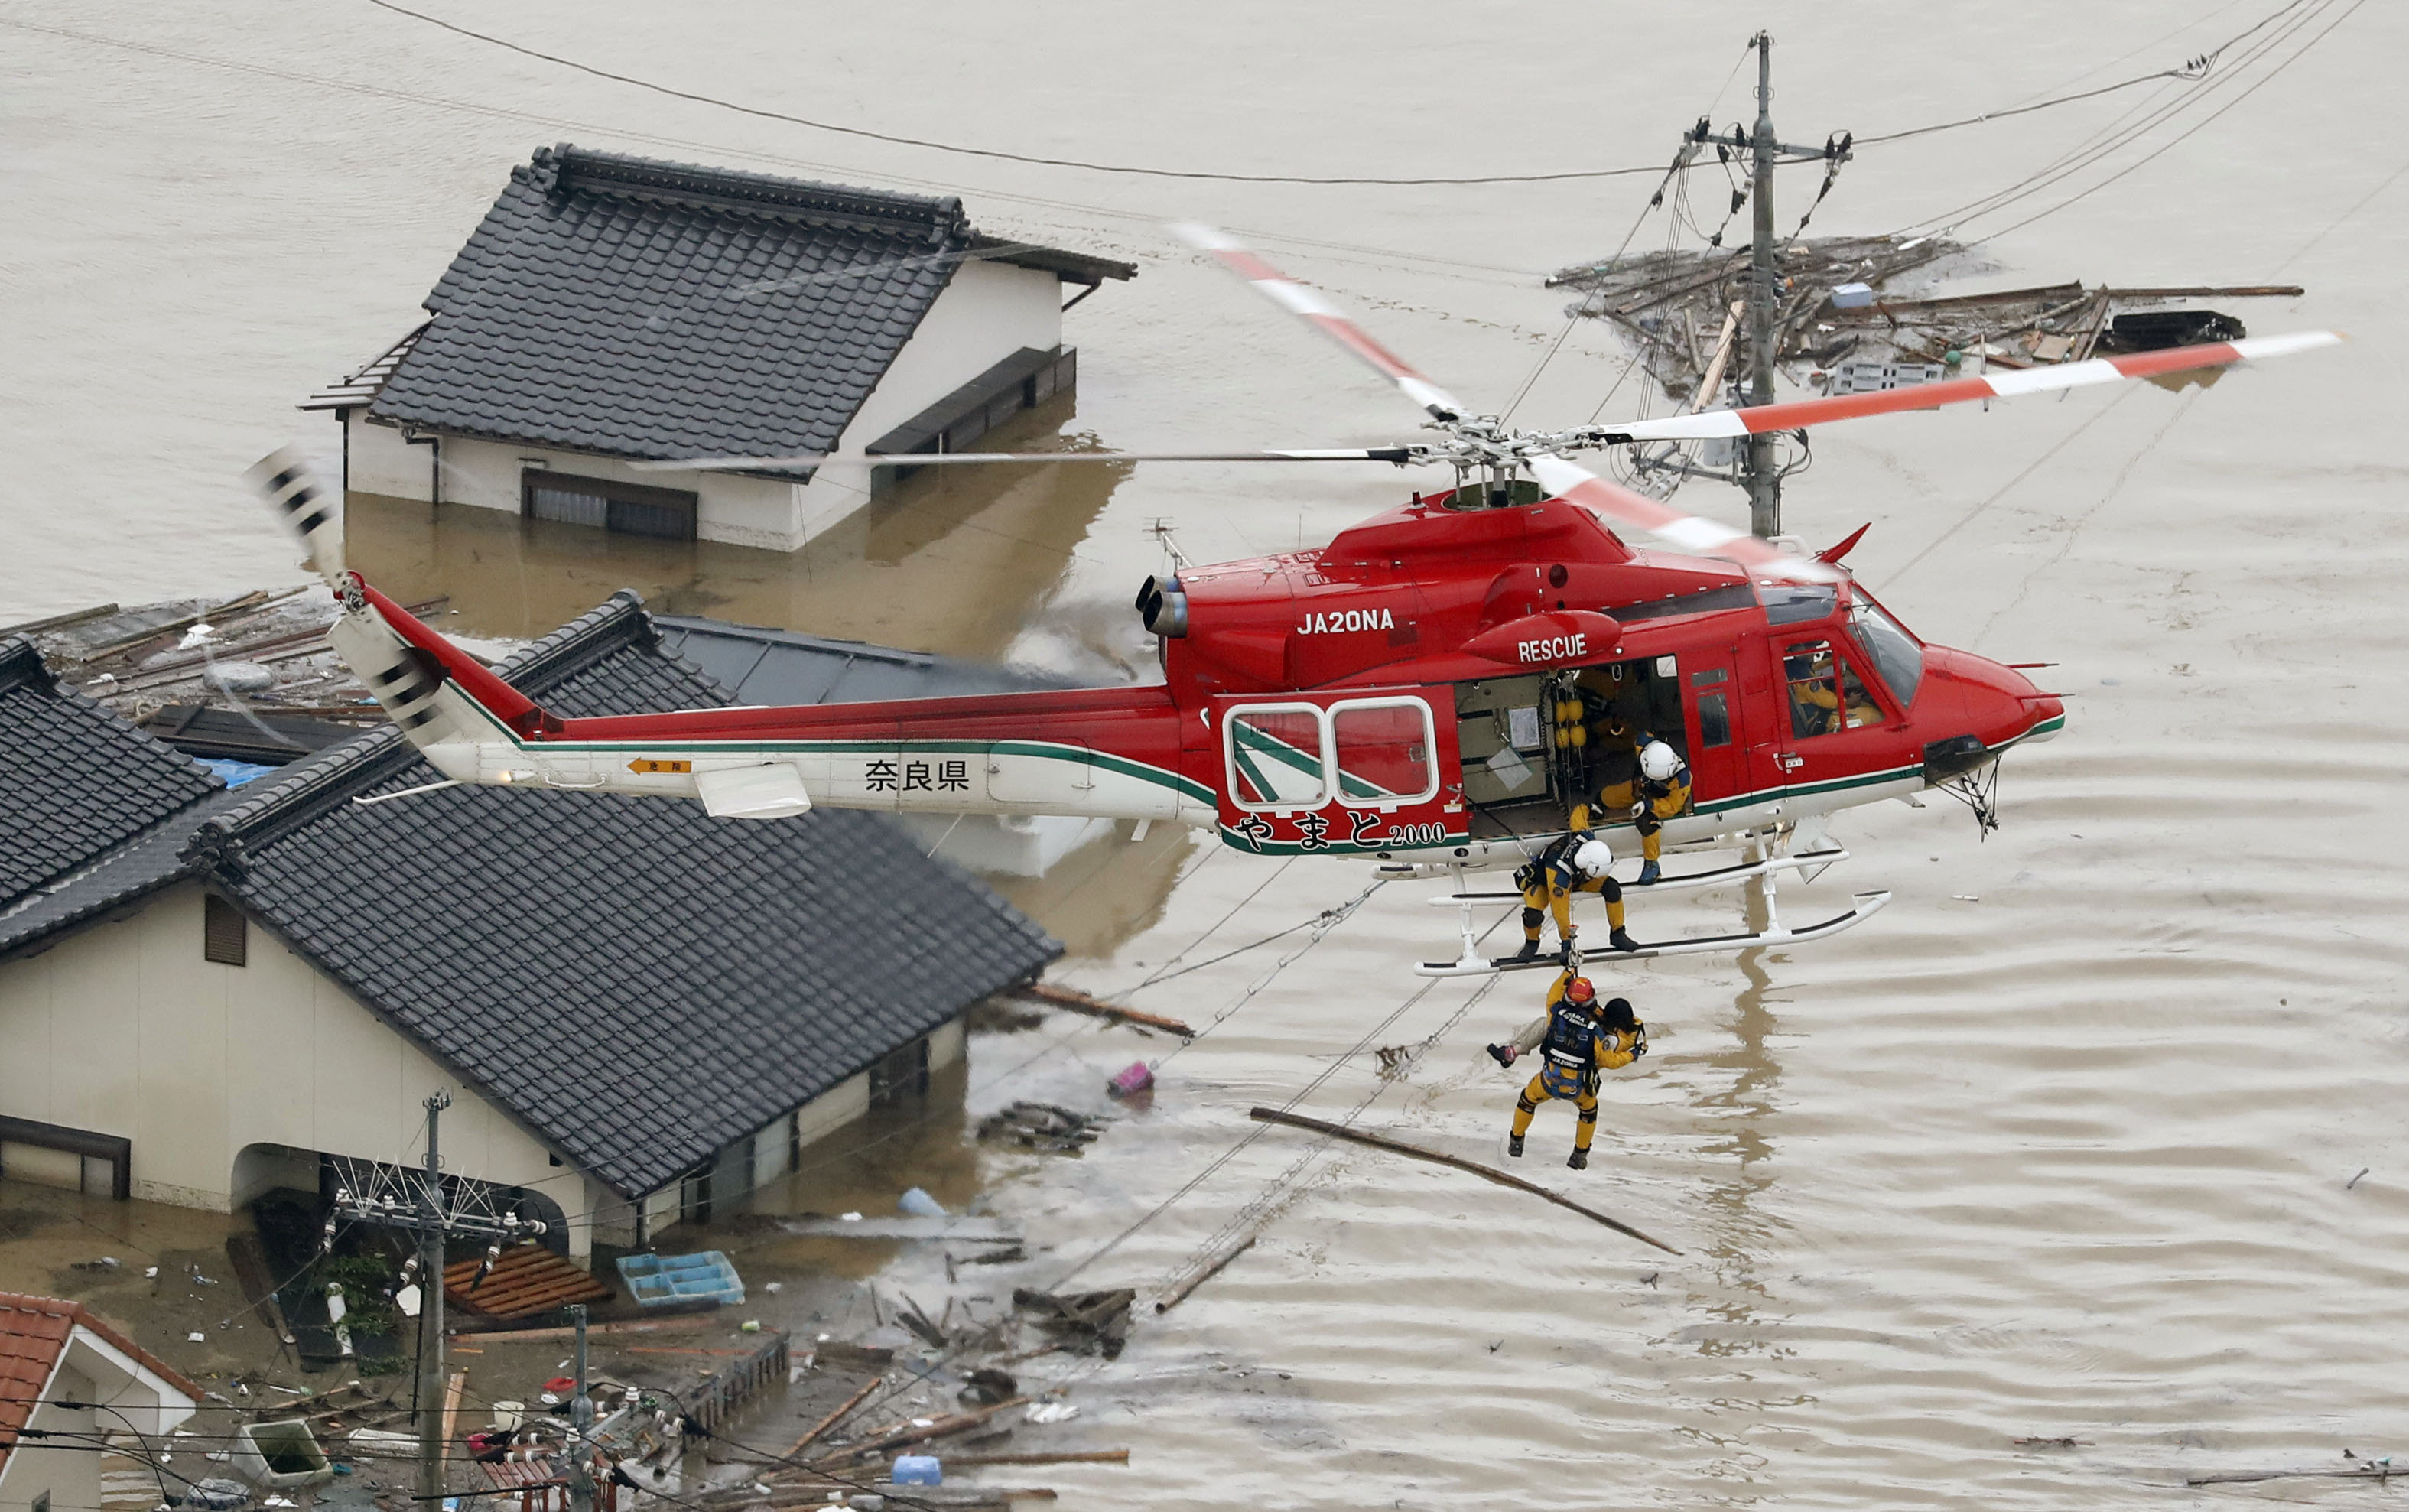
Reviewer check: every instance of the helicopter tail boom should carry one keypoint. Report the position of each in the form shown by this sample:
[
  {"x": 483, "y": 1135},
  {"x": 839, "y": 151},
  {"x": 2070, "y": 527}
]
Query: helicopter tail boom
[{"x": 1091, "y": 753}]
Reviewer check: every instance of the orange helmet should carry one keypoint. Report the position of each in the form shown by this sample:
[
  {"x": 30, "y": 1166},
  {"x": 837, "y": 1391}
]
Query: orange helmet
[{"x": 1580, "y": 990}]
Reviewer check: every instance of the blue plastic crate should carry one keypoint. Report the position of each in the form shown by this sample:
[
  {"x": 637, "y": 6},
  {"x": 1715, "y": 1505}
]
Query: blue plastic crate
[{"x": 666, "y": 1280}]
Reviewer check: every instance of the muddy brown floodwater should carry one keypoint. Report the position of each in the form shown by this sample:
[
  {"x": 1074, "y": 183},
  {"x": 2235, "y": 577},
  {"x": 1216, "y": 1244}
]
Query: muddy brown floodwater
[{"x": 2059, "y": 1147}]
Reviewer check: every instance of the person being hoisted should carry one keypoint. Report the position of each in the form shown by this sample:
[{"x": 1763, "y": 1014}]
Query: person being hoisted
[
  {"x": 1663, "y": 793},
  {"x": 1576, "y": 1040},
  {"x": 1576, "y": 861}
]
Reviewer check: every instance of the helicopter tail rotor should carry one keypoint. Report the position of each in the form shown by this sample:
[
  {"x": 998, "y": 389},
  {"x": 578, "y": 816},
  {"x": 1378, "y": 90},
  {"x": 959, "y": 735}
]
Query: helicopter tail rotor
[{"x": 310, "y": 511}]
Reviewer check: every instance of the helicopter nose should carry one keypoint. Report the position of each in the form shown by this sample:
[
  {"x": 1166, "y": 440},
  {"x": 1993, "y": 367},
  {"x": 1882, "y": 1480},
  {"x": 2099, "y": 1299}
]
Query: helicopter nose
[{"x": 1995, "y": 703}]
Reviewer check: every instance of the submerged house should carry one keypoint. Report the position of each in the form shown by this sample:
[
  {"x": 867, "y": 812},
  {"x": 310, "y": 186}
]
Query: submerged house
[
  {"x": 641, "y": 1013},
  {"x": 612, "y": 309}
]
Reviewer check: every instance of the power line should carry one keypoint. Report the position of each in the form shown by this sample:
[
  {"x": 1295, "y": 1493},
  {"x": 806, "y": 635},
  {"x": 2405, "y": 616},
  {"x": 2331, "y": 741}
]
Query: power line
[
  {"x": 2156, "y": 152},
  {"x": 998, "y": 154},
  {"x": 2119, "y": 134},
  {"x": 2193, "y": 68},
  {"x": 2190, "y": 71}
]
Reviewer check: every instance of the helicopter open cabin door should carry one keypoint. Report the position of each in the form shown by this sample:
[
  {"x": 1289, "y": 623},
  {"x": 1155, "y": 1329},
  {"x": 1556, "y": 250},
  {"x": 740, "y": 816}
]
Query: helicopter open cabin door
[{"x": 1366, "y": 769}]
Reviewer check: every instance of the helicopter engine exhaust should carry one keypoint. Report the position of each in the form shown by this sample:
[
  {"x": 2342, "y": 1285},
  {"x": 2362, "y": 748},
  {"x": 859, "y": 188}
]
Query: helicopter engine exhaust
[{"x": 1165, "y": 608}]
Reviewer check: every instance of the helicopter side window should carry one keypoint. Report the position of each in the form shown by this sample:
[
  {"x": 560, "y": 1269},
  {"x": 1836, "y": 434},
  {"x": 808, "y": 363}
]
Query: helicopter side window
[
  {"x": 1825, "y": 693},
  {"x": 1895, "y": 653},
  {"x": 1384, "y": 751},
  {"x": 1275, "y": 753}
]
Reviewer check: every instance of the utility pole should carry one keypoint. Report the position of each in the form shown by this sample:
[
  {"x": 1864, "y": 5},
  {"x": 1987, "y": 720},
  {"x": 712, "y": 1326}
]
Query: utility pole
[
  {"x": 1764, "y": 288},
  {"x": 1759, "y": 473},
  {"x": 430, "y": 1313},
  {"x": 370, "y": 1193},
  {"x": 581, "y": 1426}
]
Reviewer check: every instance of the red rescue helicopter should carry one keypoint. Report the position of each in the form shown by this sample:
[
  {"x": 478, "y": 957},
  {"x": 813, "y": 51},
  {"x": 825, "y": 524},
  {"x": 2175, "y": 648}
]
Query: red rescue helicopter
[{"x": 1435, "y": 689}]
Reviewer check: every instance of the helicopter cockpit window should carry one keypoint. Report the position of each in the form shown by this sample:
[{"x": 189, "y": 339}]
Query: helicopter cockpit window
[
  {"x": 1825, "y": 693},
  {"x": 1384, "y": 751},
  {"x": 1895, "y": 654},
  {"x": 1274, "y": 755},
  {"x": 1796, "y": 603}
]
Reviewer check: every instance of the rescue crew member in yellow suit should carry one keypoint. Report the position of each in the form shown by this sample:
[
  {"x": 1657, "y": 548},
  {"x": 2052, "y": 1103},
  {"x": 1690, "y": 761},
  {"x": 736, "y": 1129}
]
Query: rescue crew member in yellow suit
[
  {"x": 1574, "y": 862},
  {"x": 1576, "y": 1040},
  {"x": 1661, "y": 793}
]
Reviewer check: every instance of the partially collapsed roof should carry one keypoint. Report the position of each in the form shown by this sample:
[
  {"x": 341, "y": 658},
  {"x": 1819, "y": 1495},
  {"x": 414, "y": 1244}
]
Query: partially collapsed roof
[
  {"x": 632, "y": 308},
  {"x": 639, "y": 984}
]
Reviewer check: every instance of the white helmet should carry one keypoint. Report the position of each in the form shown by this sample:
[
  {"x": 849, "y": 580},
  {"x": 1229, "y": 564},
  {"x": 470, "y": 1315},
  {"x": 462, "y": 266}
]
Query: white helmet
[
  {"x": 1593, "y": 857},
  {"x": 1658, "y": 761}
]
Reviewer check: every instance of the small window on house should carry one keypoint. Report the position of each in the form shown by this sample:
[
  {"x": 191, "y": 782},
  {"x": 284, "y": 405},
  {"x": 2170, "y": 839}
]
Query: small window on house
[
  {"x": 225, "y": 935},
  {"x": 41, "y": 1502},
  {"x": 902, "y": 1072},
  {"x": 622, "y": 508}
]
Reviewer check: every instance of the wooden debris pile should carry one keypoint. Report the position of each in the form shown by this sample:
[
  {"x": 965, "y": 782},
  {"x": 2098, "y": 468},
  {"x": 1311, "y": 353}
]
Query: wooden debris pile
[
  {"x": 526, "y": 1280},
  {"x": 1082, "y": 1322},
  {"x": 1041, "y": 1126},
  {"x": 260, "y": 651},
  {"x": 1679, "y": 307},
  {"x": 1684, "y": 312}
]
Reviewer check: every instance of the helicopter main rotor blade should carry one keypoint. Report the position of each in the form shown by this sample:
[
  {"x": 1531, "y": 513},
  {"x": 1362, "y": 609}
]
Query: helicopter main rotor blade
[
  {"x": 1396, "y": 456},
  {"x": 1684, "y": 532},
  {"x": 1708, "y": 425},
  {"x": 1297, "y": 300}
]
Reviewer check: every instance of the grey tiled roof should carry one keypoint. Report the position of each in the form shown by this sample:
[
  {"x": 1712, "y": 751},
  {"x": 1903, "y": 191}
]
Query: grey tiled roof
[
  {"x": 632, "y": 308},
  {"x": 76, "y": 781},
  {"x": 638, "y": 983},
  {"x": 782, "y": 668}
]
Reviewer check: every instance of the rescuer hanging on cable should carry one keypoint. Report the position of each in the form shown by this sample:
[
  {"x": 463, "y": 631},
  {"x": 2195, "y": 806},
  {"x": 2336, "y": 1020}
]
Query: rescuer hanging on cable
[
  {"x": 1663, "y": 792},
  {"x": 1576, "y": 861},
  {"x": 1576, "y": 1040}
]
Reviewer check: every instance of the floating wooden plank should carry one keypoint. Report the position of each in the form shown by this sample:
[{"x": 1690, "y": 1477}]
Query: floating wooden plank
[
  {"x": 451, "y": 1390},
  {"x": 833, "y": 1419},
  {"x": 2382, "y": 1470},
  {"x": 817, "y": 1492},
  {"x": 975, "y": 1231},
  {"x": 60, "y": 622},
  {"x": 1398, "y": 1146},
  {"x": 1179, "y": 1293},
  {"x": 649, "y": 1325},
  {"x": 891, "y": 1439},
  {"x": 1080, "y": 1003}
]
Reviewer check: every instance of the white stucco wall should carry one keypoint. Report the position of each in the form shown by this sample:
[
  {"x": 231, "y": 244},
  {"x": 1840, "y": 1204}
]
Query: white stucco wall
[
  {"x": 125, "y": 1030},
  {"x": 987, "y": 313},
  {"x": 69, "y": 1471},
  {"x": 742, "y": 511},
  {"x": 132, "y": 1399}
]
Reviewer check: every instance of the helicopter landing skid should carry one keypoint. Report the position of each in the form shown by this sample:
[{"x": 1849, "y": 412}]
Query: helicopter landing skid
[
  {"x": 1760, "y": 874},
  {"x": 1811, "y": 863},
  {"x": 1868, "y": 904}
]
